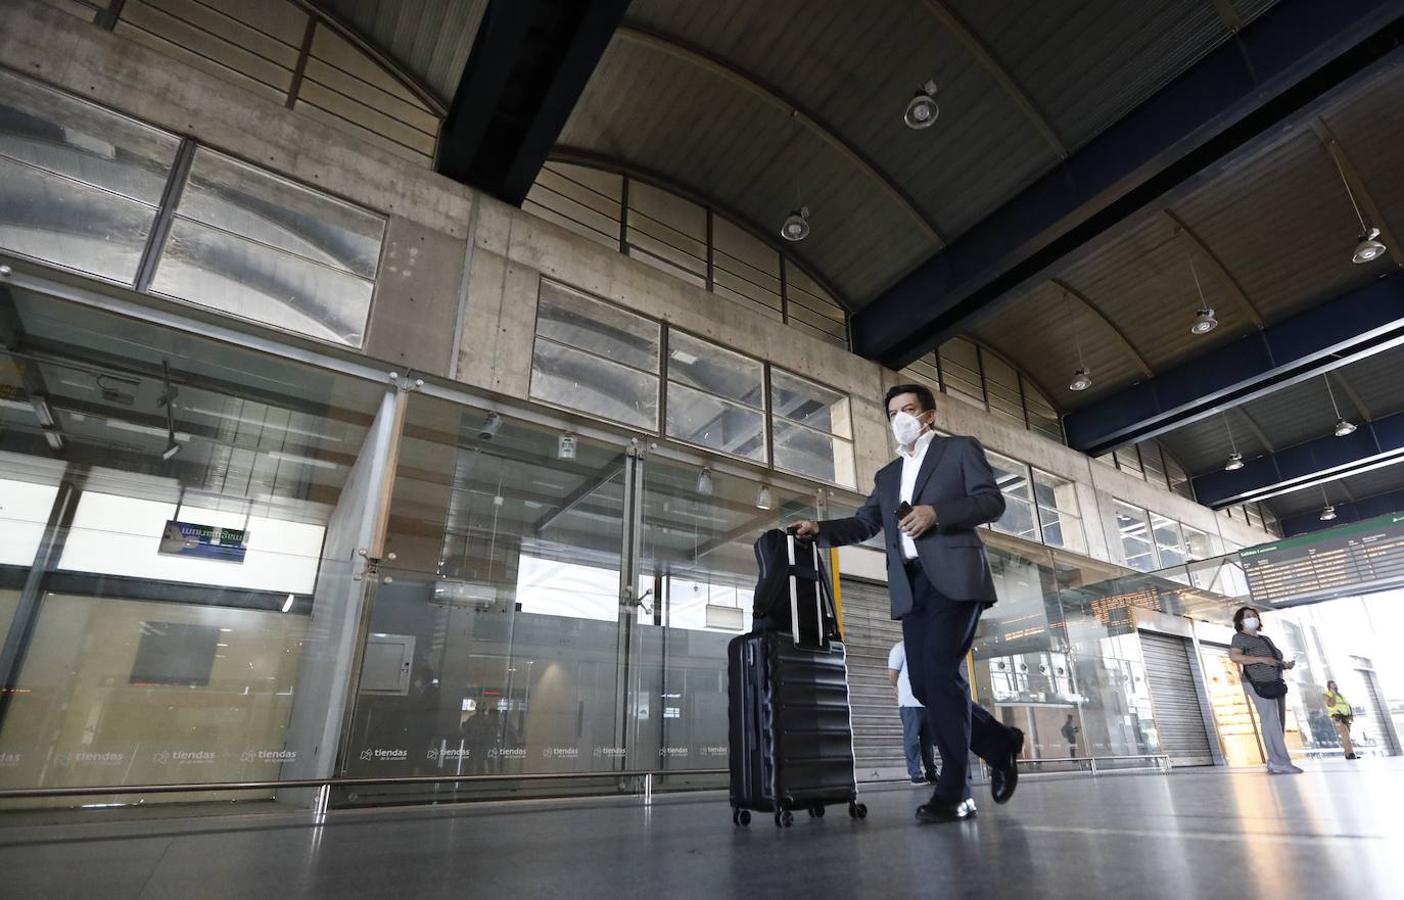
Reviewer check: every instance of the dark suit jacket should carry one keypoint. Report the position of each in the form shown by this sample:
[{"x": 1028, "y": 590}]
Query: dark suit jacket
[{"x": 956, "y": 479}]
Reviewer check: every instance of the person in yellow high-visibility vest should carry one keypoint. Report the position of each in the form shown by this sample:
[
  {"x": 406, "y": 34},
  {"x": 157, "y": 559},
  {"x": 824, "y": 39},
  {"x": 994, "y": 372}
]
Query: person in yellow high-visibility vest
[{"x": 1342, "y": 714}]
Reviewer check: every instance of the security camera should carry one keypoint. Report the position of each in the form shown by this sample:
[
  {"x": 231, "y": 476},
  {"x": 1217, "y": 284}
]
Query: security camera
[{"x": 491, "y": 425}]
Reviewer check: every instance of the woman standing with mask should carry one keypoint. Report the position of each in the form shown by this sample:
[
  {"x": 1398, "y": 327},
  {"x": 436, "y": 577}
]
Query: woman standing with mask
[
  {"x": 1262, "y": 666},
  {"x": 1342, "y": 715}
]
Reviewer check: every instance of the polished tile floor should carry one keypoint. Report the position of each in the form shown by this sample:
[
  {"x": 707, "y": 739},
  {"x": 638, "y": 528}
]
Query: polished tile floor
[{"x": 1337, "y": 831}]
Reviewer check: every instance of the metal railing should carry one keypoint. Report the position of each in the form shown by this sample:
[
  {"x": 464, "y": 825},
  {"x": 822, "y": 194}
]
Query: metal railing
[{"x": 646, "y": 776}]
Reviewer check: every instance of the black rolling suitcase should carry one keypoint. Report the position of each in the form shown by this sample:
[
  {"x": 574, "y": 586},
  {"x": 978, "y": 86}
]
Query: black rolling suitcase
[{"x": 791, "y": 733}]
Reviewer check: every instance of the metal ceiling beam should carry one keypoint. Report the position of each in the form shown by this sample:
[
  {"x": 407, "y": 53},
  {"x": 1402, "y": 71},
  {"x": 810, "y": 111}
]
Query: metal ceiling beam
[
  {"x": 529, "y": 64},
  {"x": 1198, "y": 246},
  {"x": 1331, "y": 335},
  {"x": 1328, "y": 458},
  {"x": 694, "y": 55},
  {"x": 1354, "y": 511},
  {"x": 1359, "y": 190},
  {"x": 1141, "y": 361},
  {"x": 985, "y": 57},
  {"x": 1237, "y": 97}
]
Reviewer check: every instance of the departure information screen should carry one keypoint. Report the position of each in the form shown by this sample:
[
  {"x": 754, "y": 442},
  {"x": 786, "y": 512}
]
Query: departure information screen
[{"x": 1353, "y": 559}]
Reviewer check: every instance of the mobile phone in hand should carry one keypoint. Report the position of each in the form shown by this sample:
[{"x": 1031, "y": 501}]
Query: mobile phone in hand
[{"x": 903, "y": 509}]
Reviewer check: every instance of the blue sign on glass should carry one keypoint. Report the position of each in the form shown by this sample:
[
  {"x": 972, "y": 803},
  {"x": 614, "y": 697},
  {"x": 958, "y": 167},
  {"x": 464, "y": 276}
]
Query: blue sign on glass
[{"x": 204, "y": 541}]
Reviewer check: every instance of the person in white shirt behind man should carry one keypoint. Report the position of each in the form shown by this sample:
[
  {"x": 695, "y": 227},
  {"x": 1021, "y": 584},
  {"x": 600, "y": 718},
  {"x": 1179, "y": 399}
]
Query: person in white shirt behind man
[{"x": 916, "y": 733}]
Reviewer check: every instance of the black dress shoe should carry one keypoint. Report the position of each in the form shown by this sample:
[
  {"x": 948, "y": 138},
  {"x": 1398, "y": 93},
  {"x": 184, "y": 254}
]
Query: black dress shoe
[
  {"x": 936, "y": 811},
  {"x": 1004, "y": 773},
  {"x": 918, "y": 779}
]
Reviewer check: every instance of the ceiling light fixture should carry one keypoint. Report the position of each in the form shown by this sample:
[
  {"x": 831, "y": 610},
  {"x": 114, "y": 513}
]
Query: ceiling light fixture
[
  {"x": 922, "y": 111},
  {"x": 1328, "y": 512},
  {"x": 1343, "y": 426},
  {"x": 704, "y": 483},
  {"x": 1204, "y": 321},
  {"x": 764, "y": 499},
  {"x": 1369, "y": 247},
  {"x": 1082, "y": 378},
  {"x": 167, "y": 399},
  {"x": 1235, "y": 460},
  {"x": 796, "y": 225}
]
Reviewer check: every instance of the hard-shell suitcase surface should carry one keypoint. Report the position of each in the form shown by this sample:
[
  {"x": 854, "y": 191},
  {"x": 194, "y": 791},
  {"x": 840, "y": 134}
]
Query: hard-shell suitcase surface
[{"x": 791, "y": 733}]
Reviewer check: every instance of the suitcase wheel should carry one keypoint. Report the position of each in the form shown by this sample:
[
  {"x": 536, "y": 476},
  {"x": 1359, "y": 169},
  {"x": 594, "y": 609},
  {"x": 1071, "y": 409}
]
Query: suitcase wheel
[
  {"x": 816, "y": 812},
  {"x": 858, "y": 810},
  {"x": 740, "y": 817},
  {"x": 784, "y": 818}
]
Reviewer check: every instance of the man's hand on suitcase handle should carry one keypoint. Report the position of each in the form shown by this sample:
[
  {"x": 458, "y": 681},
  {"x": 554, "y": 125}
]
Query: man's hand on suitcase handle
[{"x": 805, "y": 528}]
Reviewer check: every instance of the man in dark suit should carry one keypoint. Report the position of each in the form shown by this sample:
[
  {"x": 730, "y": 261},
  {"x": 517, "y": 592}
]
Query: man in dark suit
[{"x": 929, "y": 502}]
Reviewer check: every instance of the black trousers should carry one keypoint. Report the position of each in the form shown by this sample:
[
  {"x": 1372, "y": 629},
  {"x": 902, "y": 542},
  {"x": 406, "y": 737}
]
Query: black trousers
[{"x": 938, "y": 633}]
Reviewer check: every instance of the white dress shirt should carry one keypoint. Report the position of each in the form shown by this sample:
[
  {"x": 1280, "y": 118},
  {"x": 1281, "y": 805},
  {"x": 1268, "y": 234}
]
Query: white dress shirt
[{"x": 911, "y": 465}]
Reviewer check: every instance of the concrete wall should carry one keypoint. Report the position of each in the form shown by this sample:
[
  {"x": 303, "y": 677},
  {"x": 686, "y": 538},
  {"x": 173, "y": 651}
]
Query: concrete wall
[{"x": 460, "y": 273}]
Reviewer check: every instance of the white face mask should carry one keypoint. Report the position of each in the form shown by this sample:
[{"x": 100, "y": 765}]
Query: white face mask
[
  {"x": 1251, "y": 623},
  {"x": 906, "y": 428}
]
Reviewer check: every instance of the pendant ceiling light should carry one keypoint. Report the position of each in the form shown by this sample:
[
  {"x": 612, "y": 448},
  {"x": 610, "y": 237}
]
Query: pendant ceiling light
[
  {"x": 1328, "y": 512},
  {"x": 704, "y": 483},
  {"x": 764, "y": 499},
  {"x": 796, "y": 225},
  {"x": 1344, "y": 427},
  {"x": 923, "y": 110},
  {"x": 1082, "y": 378},
  {"x": 1369, "y": 248},
  {"x": 1235, "y": 460},
  {"x": 1204, "y": 320}
]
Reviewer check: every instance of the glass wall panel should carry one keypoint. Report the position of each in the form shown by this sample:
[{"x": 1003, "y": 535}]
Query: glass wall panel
[
  {"x": 1169, "y": 542},
  {"x": 813, "y": 429},
  {"x": 1179, "y": 480},
  {"x": 79, "y": 185},
  {"x": 1043, "y": 417},
  {"x": 1012, "y": 477},
  {"x": 595, "y": 358},
  {"x": 170, "y": 621},
  {"x": 716, "y": 398},
  {"x": 960, "y": 371},
  {"x": 585, "y": 201},
  {"x": 1153, "y": 463},
  {"x": 1134, "y": 532},
  {"x": 745, "y": 268},
  {"x": 255, "y": 245},
  {"x": 698, "y": 568},
  {"x": 668, "y": 232},
  {"x": 1002, "y": 388},
  {"x": 495, "y": 631},
  {"x": 1129, "y": 461},
  {"x": 1059, "y": 514},
  {"x": 1198, "y": 544}
]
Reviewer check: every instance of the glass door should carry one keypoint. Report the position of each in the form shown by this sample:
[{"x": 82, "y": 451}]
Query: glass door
[
  {"x": 496, "y": 628},
  {"x": 697, "y": 570}
]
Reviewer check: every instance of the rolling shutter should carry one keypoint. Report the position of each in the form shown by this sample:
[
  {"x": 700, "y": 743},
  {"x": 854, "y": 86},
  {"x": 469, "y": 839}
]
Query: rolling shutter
[{"x": 1178, "y": 716}]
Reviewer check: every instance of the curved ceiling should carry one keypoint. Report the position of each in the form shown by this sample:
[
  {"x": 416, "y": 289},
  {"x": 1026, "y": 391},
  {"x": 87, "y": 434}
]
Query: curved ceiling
[{"x": 762, "y": 107}]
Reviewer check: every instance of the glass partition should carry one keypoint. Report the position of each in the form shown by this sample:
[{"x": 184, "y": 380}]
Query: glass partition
[
  {"x": 495, "y": 627},
  {"x": 716, "y": 397},
  {"x": 168, "y": 505},
  {"x": 595, "y": 358},
  {"x": 79, "y": 185},
  {"x": 698, "y": 568},
  {"x": 254, "y": 245},
  {"x": 813, "y": 428}
]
